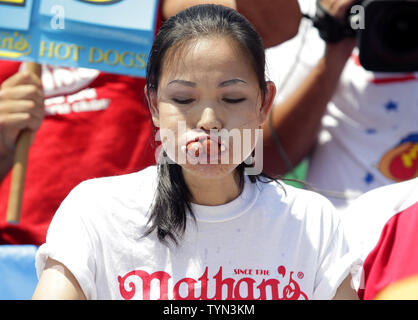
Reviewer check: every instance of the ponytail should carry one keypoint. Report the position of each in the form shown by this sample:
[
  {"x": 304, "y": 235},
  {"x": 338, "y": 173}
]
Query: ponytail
[{"x": 169, "y": 210}]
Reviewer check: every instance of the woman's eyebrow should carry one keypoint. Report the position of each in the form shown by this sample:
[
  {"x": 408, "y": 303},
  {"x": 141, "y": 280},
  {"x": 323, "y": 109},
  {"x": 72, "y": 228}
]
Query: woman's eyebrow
[
  {"x": 193, "y": 84},
  {"x": 183, "y": 82},
  {"x": 231, "y": 82}
]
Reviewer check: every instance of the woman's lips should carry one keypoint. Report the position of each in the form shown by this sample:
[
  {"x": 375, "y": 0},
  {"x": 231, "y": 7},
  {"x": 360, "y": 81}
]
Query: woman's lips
[{"x": 199, "y": 146}]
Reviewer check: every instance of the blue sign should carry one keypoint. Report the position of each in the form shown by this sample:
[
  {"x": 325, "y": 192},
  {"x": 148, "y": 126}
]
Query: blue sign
[{"x": 110, "y": 35}]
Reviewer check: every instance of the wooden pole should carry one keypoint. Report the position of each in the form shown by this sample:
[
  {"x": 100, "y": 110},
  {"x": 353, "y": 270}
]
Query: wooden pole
[{"x": 20, "y": 164}]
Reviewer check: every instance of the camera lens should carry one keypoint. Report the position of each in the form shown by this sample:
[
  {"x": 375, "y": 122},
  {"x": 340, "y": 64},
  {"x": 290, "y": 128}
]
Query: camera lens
[
  {"x": 389, "y": 42},
  {"x": 399, "y": 29}
]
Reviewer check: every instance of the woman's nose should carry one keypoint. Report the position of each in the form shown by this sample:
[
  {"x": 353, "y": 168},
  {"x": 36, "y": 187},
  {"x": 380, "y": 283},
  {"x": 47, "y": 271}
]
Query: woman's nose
[{"x": 209, "y": 120}]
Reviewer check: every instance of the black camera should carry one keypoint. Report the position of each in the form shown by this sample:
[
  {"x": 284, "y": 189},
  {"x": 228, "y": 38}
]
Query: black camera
[{"x": 386, "y": 30}]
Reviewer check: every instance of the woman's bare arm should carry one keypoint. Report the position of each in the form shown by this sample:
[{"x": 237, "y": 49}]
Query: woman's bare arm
[
  {"x": 345, "y": 291},
  {"x": 57, "y": 283},
  {"x": 276, "y": 21}
]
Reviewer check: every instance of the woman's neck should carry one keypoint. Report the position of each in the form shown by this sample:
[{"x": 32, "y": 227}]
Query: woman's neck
[{"x": 211, "y": 191}]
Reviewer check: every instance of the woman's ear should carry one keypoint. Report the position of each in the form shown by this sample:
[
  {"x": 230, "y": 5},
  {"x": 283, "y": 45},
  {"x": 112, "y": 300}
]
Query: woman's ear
[
  {"x": 153, "y": 106},
  {"x": 268, "y": 100}
]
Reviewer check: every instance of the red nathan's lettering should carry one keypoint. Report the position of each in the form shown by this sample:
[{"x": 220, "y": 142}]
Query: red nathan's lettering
[
  {"x": 139, "y": 282},
  {"x": 146, "y": 284},
  {"x": 243, "y": 271}
]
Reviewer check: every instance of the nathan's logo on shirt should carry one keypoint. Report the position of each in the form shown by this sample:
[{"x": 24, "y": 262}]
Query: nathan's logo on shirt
[
  {"x": 58, "y": 80},
  {"x": 139, "y": 282},
  {"x": 14, "y": 2},
  {"x": 67, "y": 91},
  {"x": 401, "y": 162},
  {"x": 14, "y": 45},
  {"x": 101, "y": 1}
]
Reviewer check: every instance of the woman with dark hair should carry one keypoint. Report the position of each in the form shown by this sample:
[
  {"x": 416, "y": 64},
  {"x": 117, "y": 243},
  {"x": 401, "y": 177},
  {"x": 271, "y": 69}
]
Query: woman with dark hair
[{"x": 203, "y": 223}]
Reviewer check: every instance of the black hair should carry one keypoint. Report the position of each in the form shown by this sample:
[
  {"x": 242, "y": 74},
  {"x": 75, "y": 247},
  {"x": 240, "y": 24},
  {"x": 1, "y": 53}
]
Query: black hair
[
  {"x": 172, "y": 200},
  {"x": 205, "y": 20}
]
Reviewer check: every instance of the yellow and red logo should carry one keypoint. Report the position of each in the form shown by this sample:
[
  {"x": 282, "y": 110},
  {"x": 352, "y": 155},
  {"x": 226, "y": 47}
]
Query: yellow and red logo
[
  {"x": 14, "y": 2},
  {"x": 101, "y": 1},
  {"x": 401, "y": 162}
]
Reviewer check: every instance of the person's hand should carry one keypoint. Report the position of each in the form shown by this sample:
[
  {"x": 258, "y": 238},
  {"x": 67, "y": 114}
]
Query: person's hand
[
  {"x": 337, "y": 8},
  {"x": 21, "y": 107},
  {"x": 342, "y": 50}
]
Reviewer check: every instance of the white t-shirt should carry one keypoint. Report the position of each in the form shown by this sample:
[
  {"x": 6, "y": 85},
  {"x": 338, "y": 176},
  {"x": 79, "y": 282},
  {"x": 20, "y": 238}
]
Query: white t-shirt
[
  {"x": 273, "y": 241},
  {"x": 369, "y": 134}
]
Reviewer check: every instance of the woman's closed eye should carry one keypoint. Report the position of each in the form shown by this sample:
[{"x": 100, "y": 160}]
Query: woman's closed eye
[
  {"x": 183, "y": 101},
  {"x": 190, "y": 100},
  {"x": 229, "y": 100}
]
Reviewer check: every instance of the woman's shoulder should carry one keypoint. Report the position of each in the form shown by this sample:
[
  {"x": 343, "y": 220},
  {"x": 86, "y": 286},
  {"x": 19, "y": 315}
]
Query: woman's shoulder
[
  {"x": 136, "y": 186},
  {"x": 303, "y": 203},
  {"x": 129, "y": 180},
  {"x": 293, "y": 195}
]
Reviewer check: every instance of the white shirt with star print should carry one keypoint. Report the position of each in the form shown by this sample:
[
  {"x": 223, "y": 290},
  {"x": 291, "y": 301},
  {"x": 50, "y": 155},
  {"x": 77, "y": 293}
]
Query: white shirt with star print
[{"x": 369, "y": 134}]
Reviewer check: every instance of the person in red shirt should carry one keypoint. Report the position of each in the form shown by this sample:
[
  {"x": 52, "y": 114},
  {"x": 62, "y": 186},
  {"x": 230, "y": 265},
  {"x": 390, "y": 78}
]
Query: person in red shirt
[
  {"x": 85, "y": 123},
  {"x": 95, "y": 124},
  {"x": 391, "y": 268},
  {"x": 381, "y": 227}
]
